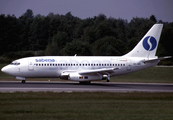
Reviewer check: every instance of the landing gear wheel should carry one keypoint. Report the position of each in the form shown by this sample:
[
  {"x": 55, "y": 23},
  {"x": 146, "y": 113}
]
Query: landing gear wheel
[{"x": 23, "y": 81}]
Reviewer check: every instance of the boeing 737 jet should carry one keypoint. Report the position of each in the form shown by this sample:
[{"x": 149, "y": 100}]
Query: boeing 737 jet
[{"x": 90, "y": 68}]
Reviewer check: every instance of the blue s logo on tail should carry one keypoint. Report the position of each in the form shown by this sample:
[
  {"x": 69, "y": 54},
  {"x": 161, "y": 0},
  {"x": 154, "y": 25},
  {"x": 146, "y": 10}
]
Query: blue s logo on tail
[{"x": 149, "y": 43}]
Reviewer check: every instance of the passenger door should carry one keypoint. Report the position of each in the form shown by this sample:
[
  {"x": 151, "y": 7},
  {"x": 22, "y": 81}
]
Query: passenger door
[{"x": 30, "y": 65}]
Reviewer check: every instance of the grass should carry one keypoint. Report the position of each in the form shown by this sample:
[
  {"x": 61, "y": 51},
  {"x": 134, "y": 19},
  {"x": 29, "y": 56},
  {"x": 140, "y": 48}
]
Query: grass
[
  {"x": 86, "y": 106},
  {"x": 150, "y": 75}
]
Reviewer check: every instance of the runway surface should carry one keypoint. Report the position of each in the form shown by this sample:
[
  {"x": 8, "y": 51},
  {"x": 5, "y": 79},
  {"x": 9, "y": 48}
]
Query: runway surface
[{"x": 76, "y": 87}]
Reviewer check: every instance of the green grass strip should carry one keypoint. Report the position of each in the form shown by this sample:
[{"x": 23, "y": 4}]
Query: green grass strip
[{"x": 86, "y": 106}]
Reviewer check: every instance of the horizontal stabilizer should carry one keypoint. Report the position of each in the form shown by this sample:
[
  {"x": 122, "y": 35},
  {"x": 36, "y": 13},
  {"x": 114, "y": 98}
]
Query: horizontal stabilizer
[{"x": 161, "y": 58}]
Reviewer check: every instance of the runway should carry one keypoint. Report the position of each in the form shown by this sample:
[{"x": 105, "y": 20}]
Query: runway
[{"x": 41, "y": 86}]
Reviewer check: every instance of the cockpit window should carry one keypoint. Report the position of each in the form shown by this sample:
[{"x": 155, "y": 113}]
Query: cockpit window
[{"x": 15, "y": 63}]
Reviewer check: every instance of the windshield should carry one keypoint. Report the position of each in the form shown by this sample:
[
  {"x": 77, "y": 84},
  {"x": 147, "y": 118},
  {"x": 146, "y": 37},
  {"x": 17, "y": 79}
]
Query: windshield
[{"x": 15, "y": 63}]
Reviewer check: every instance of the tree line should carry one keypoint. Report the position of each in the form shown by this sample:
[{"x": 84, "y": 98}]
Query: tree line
[{"x": 68, "y": 35}]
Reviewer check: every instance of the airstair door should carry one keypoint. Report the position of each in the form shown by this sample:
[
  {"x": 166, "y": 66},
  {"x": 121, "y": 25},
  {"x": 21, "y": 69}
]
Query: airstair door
[{"x": 30, "y": 65}]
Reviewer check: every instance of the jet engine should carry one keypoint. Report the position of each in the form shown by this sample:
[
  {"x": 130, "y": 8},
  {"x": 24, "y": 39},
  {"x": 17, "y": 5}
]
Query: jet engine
[{"x": 87, "y": 77}]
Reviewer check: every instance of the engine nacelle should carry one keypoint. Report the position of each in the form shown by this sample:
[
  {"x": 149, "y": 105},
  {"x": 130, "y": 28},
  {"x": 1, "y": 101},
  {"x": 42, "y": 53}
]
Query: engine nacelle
[{"x": 77, "y": 77}]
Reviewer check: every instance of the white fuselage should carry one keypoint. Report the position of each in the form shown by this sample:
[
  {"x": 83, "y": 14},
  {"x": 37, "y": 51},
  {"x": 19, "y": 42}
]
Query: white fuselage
[{"x": 53, "y": 66}]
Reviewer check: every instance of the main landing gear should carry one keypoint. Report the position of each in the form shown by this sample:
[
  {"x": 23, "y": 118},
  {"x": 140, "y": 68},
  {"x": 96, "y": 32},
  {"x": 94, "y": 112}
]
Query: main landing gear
[
  {"x": 108, "y": 79},
  {"x": 23, "y": 81}
]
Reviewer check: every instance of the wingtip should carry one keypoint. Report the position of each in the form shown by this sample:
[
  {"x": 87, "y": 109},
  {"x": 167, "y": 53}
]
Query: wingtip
[{"x": 168, "y": 57}]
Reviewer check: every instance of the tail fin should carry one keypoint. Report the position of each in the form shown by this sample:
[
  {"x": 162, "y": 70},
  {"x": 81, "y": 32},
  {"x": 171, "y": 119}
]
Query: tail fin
[{"x": 148, "y": 44}]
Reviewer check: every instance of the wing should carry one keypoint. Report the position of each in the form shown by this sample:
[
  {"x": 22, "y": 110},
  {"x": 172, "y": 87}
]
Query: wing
[{"x": 103, "y": 71}]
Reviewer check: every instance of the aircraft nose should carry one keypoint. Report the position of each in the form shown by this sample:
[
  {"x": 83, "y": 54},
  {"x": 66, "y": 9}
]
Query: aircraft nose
[
  {"x": 7, "y": 69},
  {"x": 4, "y": 69}
]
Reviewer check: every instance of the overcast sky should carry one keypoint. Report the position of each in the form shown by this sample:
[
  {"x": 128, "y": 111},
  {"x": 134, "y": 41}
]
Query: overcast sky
[{"x": 125, "y": 9}]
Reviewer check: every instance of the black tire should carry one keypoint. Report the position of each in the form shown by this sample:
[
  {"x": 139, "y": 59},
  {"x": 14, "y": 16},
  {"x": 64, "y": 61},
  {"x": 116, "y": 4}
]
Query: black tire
[{"x": 23, "y": 81}]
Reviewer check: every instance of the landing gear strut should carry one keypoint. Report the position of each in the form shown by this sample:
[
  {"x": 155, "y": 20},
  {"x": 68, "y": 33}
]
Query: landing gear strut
[
  {"x": 108, "y": 79},
  {"x": 23, "y": 81}
]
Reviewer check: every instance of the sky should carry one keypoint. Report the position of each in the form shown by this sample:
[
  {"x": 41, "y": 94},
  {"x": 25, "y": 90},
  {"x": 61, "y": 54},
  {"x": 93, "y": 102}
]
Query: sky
[{"x": 125, "y": 9}]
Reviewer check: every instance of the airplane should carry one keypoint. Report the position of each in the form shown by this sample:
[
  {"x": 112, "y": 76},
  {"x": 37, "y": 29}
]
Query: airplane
[{"x": 85, "y": 69}]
